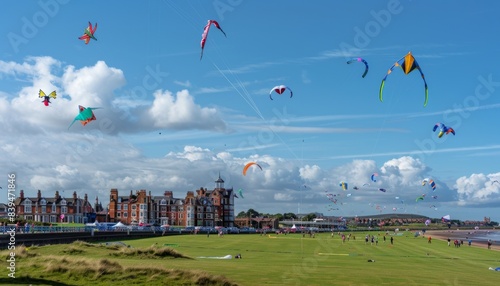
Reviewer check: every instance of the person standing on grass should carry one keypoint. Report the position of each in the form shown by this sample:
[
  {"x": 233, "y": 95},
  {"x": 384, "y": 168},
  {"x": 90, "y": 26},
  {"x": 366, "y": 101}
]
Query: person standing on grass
[
  {"x": 392, "y": 240},
  {"x": 429, "y": 239},
  {"x": 449, "y": 240},
  {"x": 489, "y": 243}
]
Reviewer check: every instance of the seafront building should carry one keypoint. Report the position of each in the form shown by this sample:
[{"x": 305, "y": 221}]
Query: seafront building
[{"x": 203, "y": 207}]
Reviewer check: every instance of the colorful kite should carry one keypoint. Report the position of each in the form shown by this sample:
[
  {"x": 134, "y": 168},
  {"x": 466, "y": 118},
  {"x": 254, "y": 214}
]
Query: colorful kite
[
  {"x": 205, "y": 34},
  {"x": 85, "y": 116},
  {"x": 360, "y": 60},
  {"x": 373, "y": 177},
  {"x": 443, "y": 129},
  {"x": 89, "y": 33},
  {"x": 279, "y": 89},
  {"x": 343, "y": 185},
  {"x": 46, "y": 98},
  {"x": 431, "y": 182},
  {"x": 248, "y": 165},
  {"x": 240, "y": 193},
  {"x": 408, "y": 64}
]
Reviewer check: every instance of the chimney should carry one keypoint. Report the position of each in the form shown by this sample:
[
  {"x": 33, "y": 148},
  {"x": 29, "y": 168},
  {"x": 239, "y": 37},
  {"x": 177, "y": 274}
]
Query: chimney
[
  {"x": 74, "y": 195},
  {"x": 21, "y": 195},
  {"x": 39, "y": 195},
  {"x": 57, "y": 195}
]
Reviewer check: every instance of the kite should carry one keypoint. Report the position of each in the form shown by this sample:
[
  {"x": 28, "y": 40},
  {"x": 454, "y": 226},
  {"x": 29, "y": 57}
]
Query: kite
[
  {"x": 495, "y": 181},
  {"x": 427, "y": 222},
  {"x": 443, "y": 129},
  {"x": 421, "y": 198},
  {"x": 353, "y": 60},
  {"x": 356, "y": 188},
  {"x": 408, "y": 64},
  {"x": 205, "y": 34},
  {"x": 248, "y": 165},
  {"x": 85, "y": 116},
  {"x": 88, "y": 33},
  {"x": 343, "y": 185},
  {"x": 240, "y": 192},
  {"x": 446, "y": 218},
  {"x": 46, "y": 98},
  {"x": 494, "y": 269},
  {"x": 382, "y": 190},
  {"x": 431, "y": 183},
  {"x": 279, "y": 89},
  {"x": 373, "y": 177}
]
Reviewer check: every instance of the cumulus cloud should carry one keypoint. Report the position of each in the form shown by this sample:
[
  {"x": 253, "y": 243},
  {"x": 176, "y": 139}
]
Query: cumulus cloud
[
  {"x": 478, "y": 189},
  {"x": 180, "y": 112}
]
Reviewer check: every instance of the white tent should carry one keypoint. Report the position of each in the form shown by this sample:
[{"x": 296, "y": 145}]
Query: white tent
[{"x": 120, "y": 225}]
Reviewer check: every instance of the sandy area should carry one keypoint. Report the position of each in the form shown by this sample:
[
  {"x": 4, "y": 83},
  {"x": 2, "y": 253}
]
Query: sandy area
[{"x": 464, "y": 235}]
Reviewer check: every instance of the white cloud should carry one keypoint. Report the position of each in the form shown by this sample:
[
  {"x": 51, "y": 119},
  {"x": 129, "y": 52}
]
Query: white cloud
[
  {"x": 478, "y": 188},
  {"x": 180, "y": 112}
]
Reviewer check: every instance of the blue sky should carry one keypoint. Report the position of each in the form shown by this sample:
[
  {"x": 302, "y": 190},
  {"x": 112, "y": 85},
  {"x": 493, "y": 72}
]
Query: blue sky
[{"x": 172, "y": 122}]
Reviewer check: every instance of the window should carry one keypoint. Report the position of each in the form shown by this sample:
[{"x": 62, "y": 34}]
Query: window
[
  {"x": 27, "y": 206},
  {"x": 44, "y": 209},
  {"x": 119, "y": 207},
  {"x": 63, "y": 202},
  {"x": 133, "y": 214},
  {"x": 163, "y": 202},
  {"x": 64, "y": 209},
  {"x": 134, "y": 207},
  {"x": 125, "y": 207},
  {"x": 118, "y": 215},
  {"x": 54, "y": 207},
  {"x": 43, "y": 202},
  {"x": 125, "y": 214}
]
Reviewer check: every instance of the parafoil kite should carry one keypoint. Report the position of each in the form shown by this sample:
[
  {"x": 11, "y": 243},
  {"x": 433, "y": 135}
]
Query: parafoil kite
[
  {"x": 248, "y": 165},
  {"x": 205, "y": 34},
  {"x": 85, "y": 116},
  {"x": 353, "y": 60},
  {"x": 279, "y": 89},
  {"x": 408, "y": 64},
  {"x": 431, "y": 182},
  {"x": 343, "y": 185},
  {"x": 373, "y": 177},
  {"x": 421, "y": 198},
  {"x": 356, "y": 188},
  {"x": 46, "y": 98},
  {"x": 446, "y": 218},
  {"x": 495, "y": 181},
  {"x": 443, "y": 129},
  {"x": 89, "y": 33},
  {"x": 382, "y": 190}
]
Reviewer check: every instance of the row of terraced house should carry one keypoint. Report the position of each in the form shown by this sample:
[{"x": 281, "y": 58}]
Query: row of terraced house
[{"x": 199, "y": 208}]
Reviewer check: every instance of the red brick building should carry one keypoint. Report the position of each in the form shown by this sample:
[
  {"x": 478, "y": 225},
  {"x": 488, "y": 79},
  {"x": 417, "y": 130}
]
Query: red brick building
[
  {"x": 200, "y": 208},
  {"x": 53, "y": 209}
]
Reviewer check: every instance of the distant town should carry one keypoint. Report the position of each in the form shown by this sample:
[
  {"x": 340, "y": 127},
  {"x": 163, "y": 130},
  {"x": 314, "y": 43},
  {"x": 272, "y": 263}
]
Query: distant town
[{"x": 202, "y": 207}]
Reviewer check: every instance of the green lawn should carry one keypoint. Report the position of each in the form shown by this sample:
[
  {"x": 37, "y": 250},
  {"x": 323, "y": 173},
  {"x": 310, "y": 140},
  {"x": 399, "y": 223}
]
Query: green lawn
[{"x": 268, "y": 260}]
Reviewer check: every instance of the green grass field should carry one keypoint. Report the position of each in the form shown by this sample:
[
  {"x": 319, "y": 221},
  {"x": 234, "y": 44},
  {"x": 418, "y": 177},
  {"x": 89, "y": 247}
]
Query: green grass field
[{"x": 266, "y": 260}]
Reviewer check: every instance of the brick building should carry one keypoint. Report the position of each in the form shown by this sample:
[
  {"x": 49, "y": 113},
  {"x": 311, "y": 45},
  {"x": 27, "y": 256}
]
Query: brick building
[
  {"x": 53, "y": 209},
  {"x": 199, "y": 208}
]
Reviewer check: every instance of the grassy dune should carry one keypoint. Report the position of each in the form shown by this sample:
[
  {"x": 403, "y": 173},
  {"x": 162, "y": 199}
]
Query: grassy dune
[{"x": 267, "y": 260}]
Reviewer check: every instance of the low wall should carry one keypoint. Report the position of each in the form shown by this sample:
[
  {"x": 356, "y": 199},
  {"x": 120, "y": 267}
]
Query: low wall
[{"x": 29, "y": 239}]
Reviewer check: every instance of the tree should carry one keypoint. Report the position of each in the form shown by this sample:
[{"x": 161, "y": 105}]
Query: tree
[
  {"x": 310, "y": 217},
  {"x": 287, "y": 216},
  {"x": 242, "y": 214}
]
